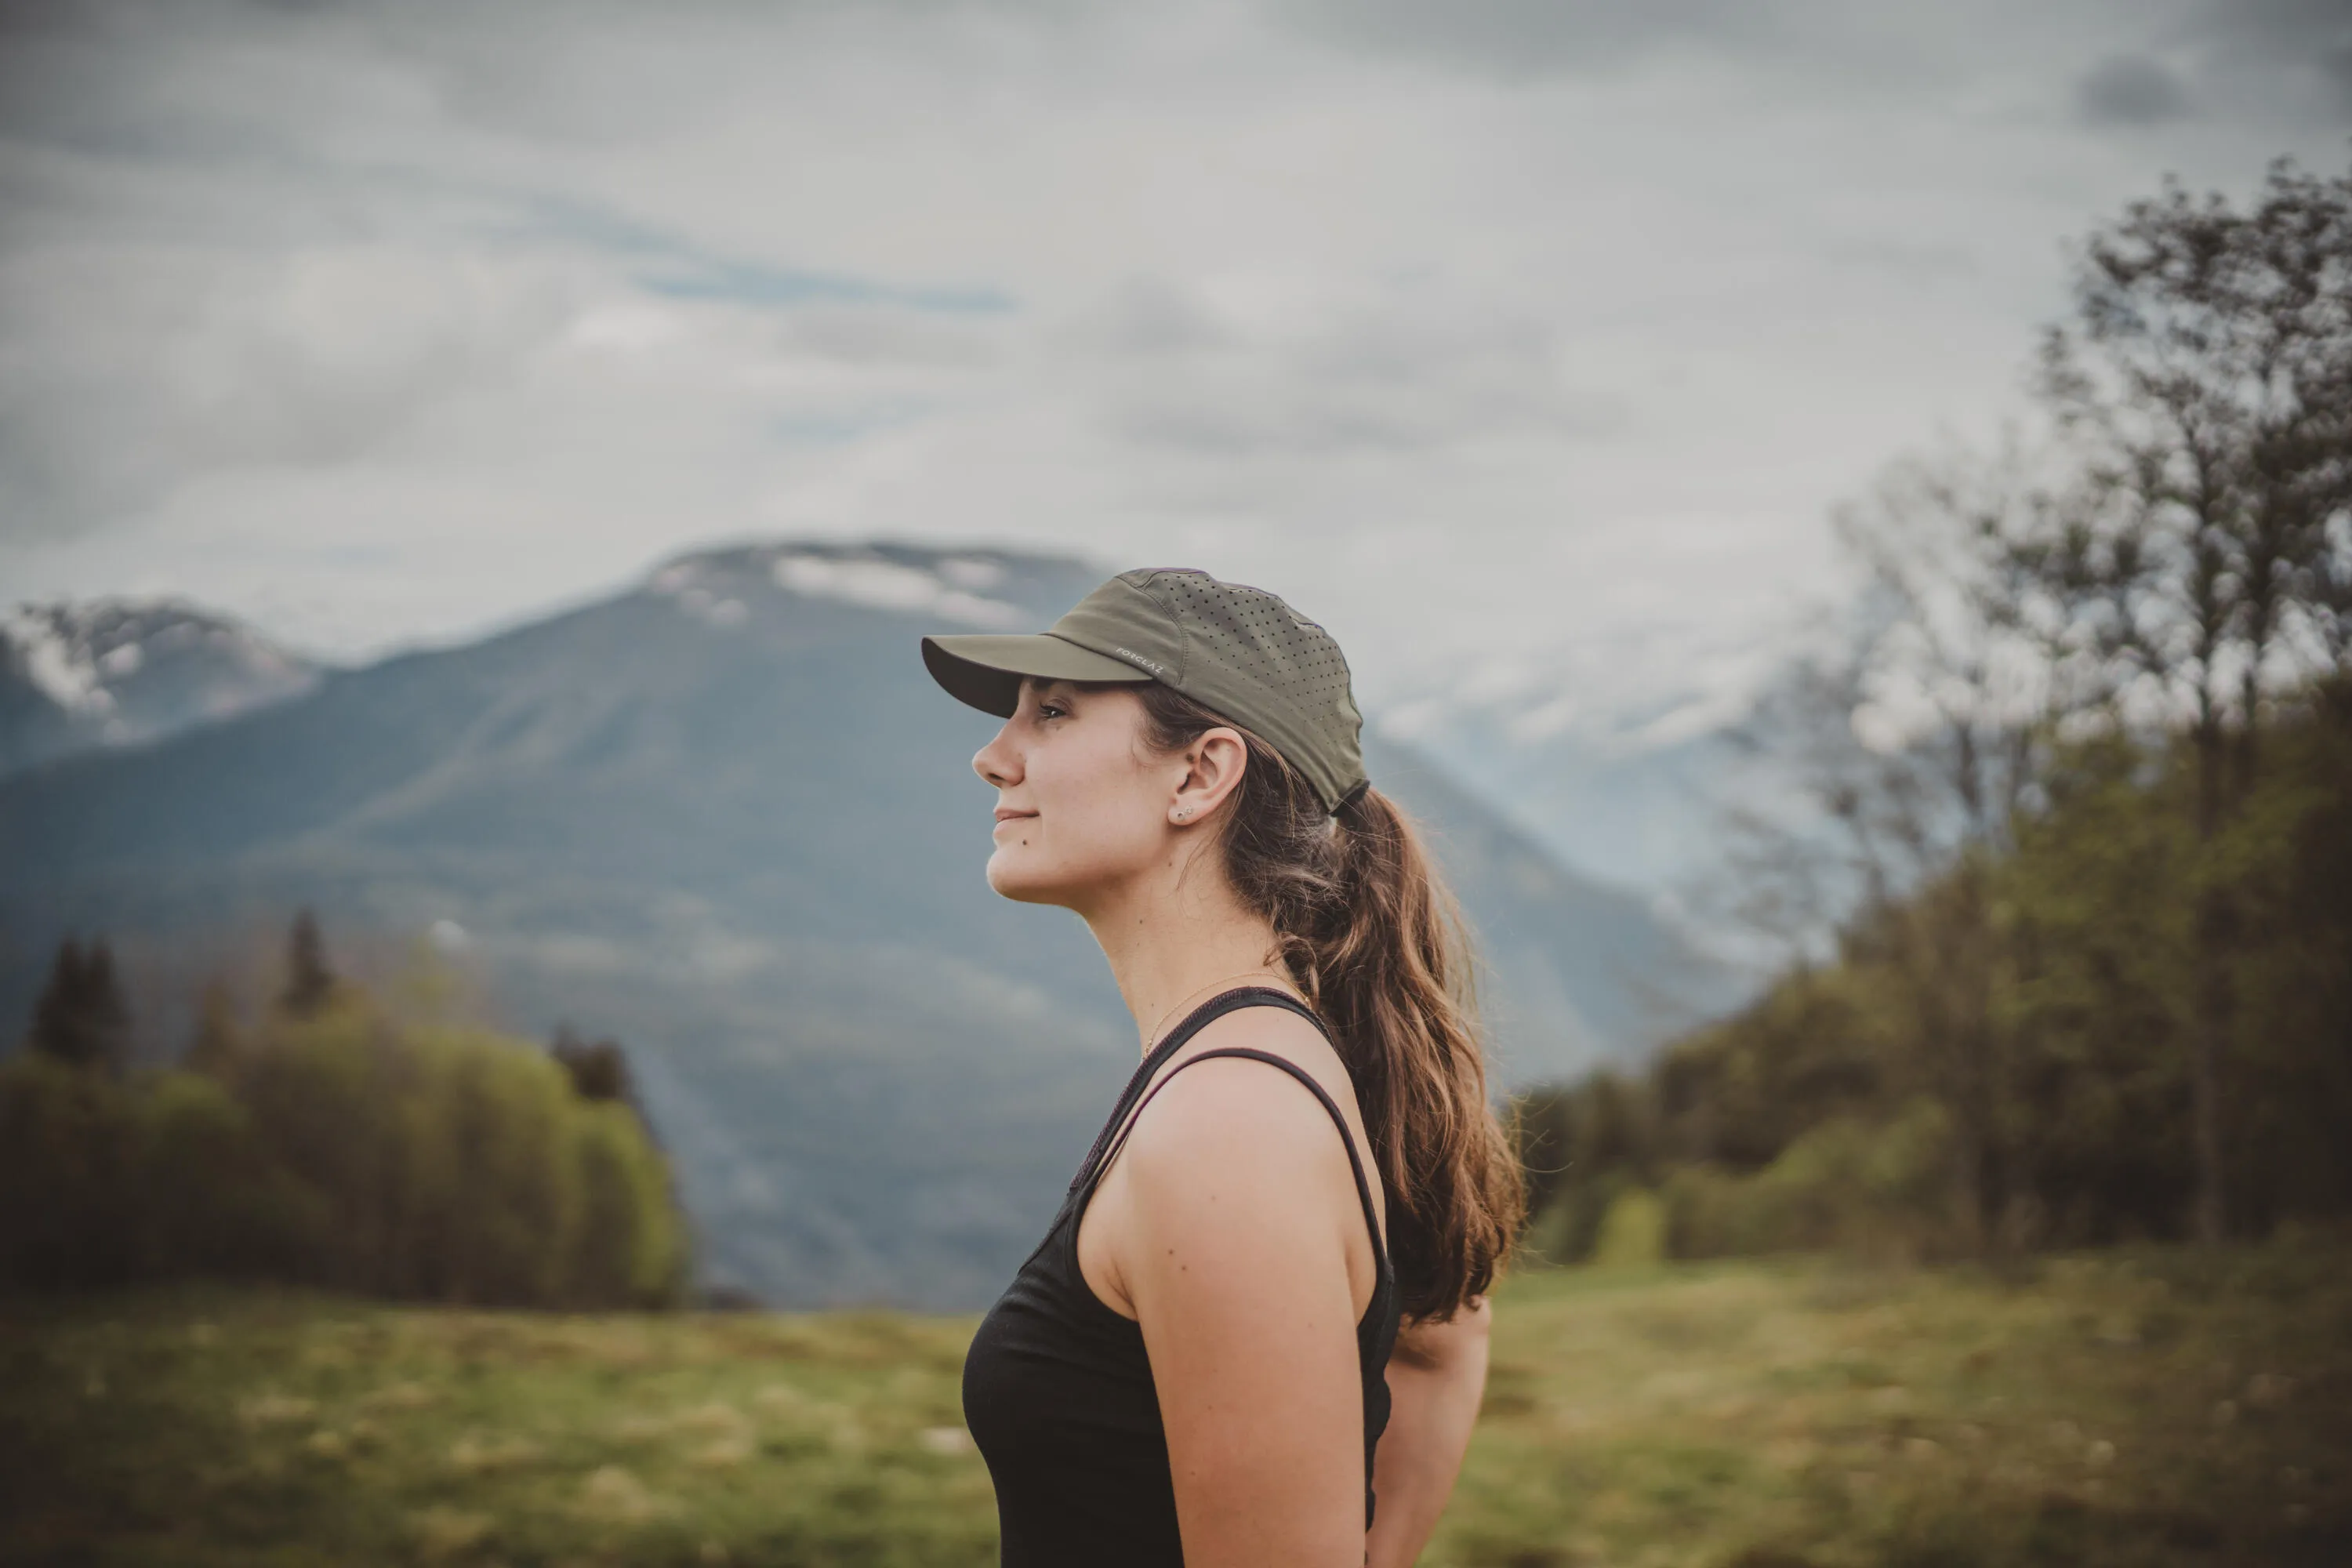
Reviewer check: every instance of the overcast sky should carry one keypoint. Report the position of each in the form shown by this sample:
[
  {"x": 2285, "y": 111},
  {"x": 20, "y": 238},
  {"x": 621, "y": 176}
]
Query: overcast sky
[{"x": 1523, "y": 334}]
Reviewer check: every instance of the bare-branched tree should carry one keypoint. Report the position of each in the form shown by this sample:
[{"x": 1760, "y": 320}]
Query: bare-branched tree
[
  {"x": 1917, "y": 739},
  {"x": 2207, "y": 379}
]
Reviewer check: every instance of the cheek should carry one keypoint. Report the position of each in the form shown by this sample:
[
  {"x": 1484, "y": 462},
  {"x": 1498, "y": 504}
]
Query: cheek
[
  {"x": 1110, "y": 833},
  {"x": 1095, "y": 820},
  {"x": 1091, "y": 835}
]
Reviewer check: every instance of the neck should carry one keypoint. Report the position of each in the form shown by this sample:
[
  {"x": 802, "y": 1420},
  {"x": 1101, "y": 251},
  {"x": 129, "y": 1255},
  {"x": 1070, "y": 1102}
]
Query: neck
[{"x": 1178, "y": 938}]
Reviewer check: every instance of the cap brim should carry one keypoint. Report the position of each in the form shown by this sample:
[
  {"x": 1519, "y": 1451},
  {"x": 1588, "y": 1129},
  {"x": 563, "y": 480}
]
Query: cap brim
[{"x": 985, "y": 670}]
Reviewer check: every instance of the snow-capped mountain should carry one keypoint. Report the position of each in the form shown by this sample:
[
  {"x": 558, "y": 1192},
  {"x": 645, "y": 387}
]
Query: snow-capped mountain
[{"x": 115, "y": 672}]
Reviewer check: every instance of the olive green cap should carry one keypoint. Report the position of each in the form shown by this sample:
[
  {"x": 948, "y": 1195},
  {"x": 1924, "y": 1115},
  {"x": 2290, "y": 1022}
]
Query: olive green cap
[{"x": 1237, "y": 651}]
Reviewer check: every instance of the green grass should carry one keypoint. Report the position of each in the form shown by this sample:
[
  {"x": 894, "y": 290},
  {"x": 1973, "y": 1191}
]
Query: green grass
[
  {"x": 2134, "y": 1407},
  {"x": 2130, "y": 1408}
]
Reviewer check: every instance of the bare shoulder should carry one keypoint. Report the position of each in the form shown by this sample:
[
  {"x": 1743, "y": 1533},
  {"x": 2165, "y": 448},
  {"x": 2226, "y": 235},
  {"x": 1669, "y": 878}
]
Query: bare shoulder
[
  {"x": 1233, "y": 1180},
  {"x": 1252, "y": 1125},
  {"x": 1226, "y": 1104}
]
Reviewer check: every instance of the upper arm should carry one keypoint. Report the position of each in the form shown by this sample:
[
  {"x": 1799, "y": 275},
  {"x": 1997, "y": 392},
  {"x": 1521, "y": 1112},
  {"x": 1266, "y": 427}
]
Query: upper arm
[
  {"x": 1457, "y": 1341},
  {"x": 1437, "y": 1381},
  {"x": 1237, "y": 1263}
]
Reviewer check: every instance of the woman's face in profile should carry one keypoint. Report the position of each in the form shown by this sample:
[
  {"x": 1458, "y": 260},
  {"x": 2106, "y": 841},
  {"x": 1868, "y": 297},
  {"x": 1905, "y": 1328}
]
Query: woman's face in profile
[{"x": 1079, "y": 804}]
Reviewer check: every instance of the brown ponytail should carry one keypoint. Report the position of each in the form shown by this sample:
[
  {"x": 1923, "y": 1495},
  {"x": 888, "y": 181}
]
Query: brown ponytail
[{"x": 1366, "y": 928}]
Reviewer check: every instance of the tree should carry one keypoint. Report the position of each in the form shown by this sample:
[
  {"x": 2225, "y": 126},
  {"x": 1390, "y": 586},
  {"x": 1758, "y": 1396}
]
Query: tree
[
  {"x": 218, "y": 1045},
  {"x": 309, "y": 979},
  {"x": 350, "y": 1147},
  {"x": 80, "y": 1017},
  {"x": 599, "y": 1070},
  {"x": 1917, "y": 741},
  {"x": 2207, "y": 376},
  {"x": 2326, "y": 594},
  {"x": 68, "y": 1191}
]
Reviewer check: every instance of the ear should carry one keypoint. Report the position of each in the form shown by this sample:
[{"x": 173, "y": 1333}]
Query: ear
[{"x": 1213, "y": 766}]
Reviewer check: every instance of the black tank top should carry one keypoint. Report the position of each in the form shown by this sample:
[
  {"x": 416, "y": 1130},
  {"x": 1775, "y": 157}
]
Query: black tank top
[{"x": 1057, "y": 1387}]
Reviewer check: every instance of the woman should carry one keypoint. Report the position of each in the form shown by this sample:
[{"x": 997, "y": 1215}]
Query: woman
[{"x": 1211, "y": 1359}]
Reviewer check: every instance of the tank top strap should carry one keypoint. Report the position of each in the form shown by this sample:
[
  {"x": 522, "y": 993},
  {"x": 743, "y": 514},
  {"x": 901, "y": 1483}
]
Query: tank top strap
[
  {"x": 1198, "y": 1018},
  {"x": 1364, "y": 1188}
]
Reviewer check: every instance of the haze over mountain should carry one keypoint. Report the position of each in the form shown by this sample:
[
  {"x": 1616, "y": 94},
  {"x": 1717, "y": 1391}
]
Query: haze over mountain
[
  {"x": 727, "y": 817},
  {"x": 1625, "y": 755}
]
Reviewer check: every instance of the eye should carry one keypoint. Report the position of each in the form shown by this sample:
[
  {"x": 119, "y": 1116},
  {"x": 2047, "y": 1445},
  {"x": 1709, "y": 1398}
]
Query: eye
[{"x": 1052, "y": 710}]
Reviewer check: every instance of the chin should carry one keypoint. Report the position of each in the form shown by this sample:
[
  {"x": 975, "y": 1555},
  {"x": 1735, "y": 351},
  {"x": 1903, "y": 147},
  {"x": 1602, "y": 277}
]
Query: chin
[{"x": 1021, "y": 884}]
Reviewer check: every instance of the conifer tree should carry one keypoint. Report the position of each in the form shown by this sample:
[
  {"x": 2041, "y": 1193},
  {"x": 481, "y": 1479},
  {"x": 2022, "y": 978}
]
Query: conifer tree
[
  {"x": 80, "y": 1017},
  {"x": 600, "y": 1073},
  {"x": 217, "y": 1046},
  {"x": 55, "y": 1009},
  {"x": 108, "y": 1015},
  {"x": 599, "y": 1069},
  {"x": 309, "y": 979}
]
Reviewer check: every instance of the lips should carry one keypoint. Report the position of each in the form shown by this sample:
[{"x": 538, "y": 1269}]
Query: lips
[{"x": 1005, "y": 815}]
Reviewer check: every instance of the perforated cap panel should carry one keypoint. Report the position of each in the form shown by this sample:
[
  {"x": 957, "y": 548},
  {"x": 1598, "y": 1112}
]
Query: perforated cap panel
[{"x": 1237, "y": 649}]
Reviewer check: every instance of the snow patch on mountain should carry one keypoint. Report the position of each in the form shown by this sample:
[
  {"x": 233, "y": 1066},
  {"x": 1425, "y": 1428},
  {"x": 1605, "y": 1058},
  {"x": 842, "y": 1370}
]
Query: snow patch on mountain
[
  {"x": 705, "y": 601},
  {"x": 971, "y": 573},
  {"x": 952, "y": 589},
  {"x": 889, "y": 585},
  {"x": 117, "y": 671},
  {"x": 56, "y": 660}
]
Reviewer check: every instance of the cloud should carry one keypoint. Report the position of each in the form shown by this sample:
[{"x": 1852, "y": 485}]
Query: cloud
[
  {"x": 2131, "y": 89},
  {"x": 2308, "y": 40},
  {"x": 1306, "y": 372},
  {"x": 1518, "y": 38},
  {"x": 133, "y": 371},
  {"x": 1857, "y": 49},
  {"x": 1483, "y": 329},
  {"x": 670, "y": 264}
]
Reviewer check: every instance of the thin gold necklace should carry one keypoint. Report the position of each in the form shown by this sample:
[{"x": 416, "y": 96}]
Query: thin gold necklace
[{"x": 1261, "y": 969}]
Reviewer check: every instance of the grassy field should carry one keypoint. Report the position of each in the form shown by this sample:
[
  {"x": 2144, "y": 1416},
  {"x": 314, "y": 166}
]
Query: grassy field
[{"x": 2129, "y": 1407}]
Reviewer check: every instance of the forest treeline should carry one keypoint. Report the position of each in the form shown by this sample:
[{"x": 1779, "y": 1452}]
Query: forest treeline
[
  {"x": 2078, "y": 790},
  {"x": 329, "y": 1141}
]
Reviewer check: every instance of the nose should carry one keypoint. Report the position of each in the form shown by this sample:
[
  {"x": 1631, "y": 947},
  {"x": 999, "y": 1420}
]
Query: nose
[{"x": 997, "y": 762}]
